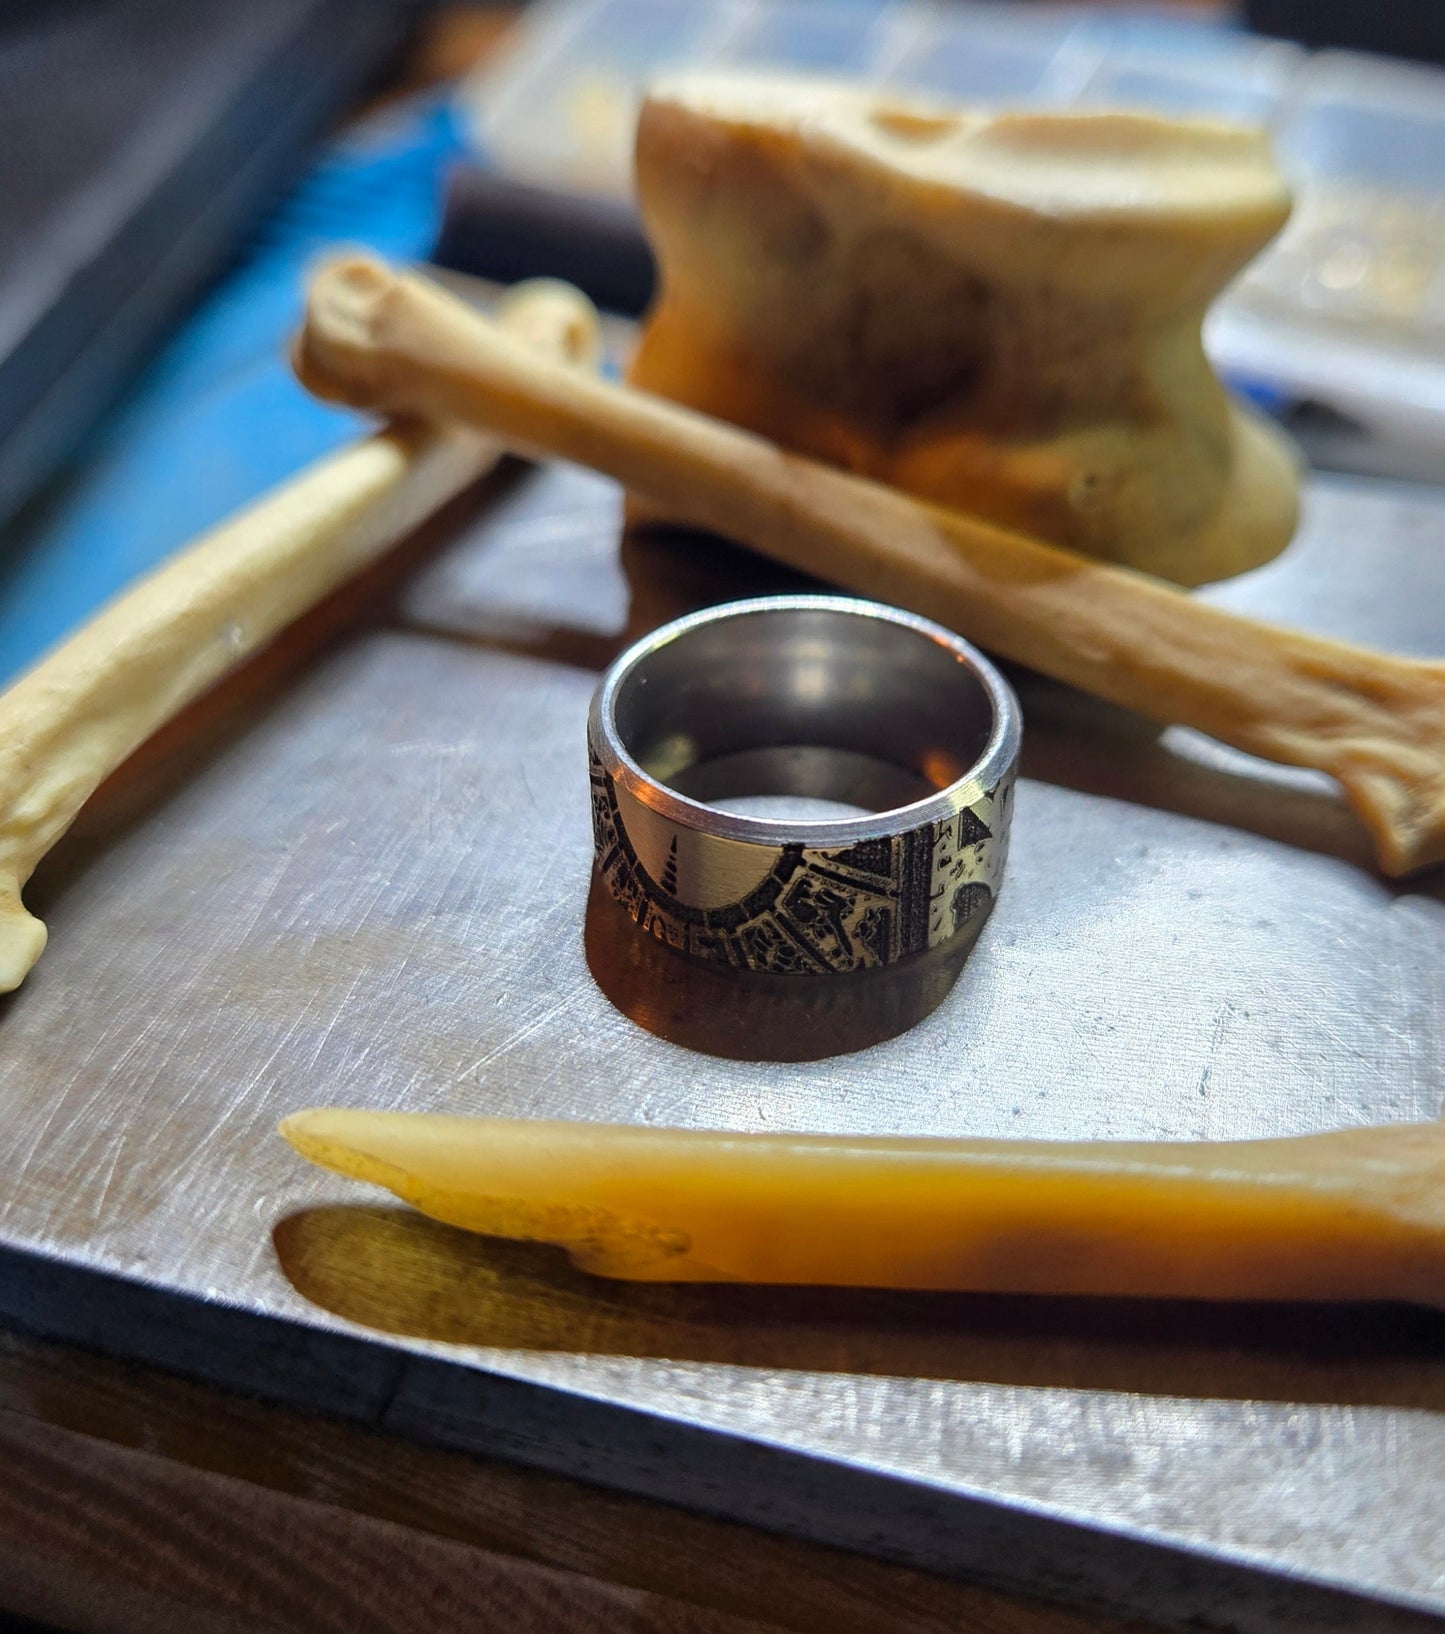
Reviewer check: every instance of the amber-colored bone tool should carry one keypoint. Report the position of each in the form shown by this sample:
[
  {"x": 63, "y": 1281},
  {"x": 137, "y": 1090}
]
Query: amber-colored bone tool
[
  {"x": 1352, "y": 1214},
  {"x": 68, "y": 723},
  {"x": 1375, "y": 722}
]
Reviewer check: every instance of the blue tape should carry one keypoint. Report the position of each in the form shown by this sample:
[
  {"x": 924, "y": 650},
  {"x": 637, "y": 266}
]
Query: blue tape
[{"x": 217, "y": 418}]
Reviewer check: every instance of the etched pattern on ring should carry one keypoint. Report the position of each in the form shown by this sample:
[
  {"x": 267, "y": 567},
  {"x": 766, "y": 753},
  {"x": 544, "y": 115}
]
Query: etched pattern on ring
[{"x": 818, "y": 911}]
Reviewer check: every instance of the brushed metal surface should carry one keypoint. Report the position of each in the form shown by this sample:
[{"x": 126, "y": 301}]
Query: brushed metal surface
[{"x": 365, "y": 879}]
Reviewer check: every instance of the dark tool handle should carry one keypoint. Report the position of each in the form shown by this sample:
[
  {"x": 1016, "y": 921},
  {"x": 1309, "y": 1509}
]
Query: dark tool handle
[{"x": 498, "y": 228}]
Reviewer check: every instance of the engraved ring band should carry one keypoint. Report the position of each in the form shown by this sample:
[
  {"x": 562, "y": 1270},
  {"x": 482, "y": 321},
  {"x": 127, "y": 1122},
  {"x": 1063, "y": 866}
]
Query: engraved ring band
[{"x": 803, "y": 785}]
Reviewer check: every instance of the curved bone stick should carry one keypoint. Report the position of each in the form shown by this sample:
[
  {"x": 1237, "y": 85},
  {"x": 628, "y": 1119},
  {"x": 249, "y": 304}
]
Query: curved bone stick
[
  {"x": 1375, "y": 722},
  {"x": 1353, "y": 1214},
  {"x": 70, "y": 721}
]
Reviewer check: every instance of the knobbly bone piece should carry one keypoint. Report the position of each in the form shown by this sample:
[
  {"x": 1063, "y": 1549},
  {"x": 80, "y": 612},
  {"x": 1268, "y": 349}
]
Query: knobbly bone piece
[
  {"x": 1352, "y": 1214},
  {"x": 387, "y": 341},
  {"x": 998, "y": 312},
  {"x": 68, "y": 723}
]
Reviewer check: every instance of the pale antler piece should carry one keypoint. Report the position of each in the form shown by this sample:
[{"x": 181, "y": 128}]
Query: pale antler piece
[
  {"x": 387, "y": 341},
  {"x": 1352, "y": 1214},
  {"x": 70, "y": 721}
]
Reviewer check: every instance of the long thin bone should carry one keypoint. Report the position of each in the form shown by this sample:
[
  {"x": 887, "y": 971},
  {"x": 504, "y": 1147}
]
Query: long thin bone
[
  {"x": 1353, "y": 1214},
  {"x": 1375, "y": 722},
  {"x": 68, "y": 723}
]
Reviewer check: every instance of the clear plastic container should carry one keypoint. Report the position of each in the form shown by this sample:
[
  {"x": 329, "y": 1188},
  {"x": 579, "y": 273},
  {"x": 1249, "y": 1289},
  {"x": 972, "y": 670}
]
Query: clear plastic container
[
  {"x": 1363, "y": 141},
  {"x": 1366, "y": 119},
  {"x": 561, "y": 107},
  {"x": 1223, "y": 76},
  {"x": 847, "y": 39},
  {"x": 992, "y": 55}
]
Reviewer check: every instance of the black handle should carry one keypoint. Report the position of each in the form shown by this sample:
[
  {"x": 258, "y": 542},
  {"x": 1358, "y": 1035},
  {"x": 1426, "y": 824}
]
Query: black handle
[{"x": 495, "y": 227}]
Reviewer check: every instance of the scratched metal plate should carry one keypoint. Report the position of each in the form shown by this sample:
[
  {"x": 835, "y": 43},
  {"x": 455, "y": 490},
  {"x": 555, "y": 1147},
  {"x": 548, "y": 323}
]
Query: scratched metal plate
[{"x": 361, "y": 876}]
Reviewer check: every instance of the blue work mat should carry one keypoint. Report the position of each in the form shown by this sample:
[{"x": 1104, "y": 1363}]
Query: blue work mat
[{"x": 217, "y": 417}]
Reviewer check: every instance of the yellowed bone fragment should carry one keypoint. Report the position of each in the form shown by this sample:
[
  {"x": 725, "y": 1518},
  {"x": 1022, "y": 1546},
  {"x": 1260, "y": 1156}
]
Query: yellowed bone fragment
[
  {"x": 1351, "y": 1214},
  {"x": 70, "y": 721},
  {"x": 998, "y": 312},
  {"x": 384, "y": 340}
]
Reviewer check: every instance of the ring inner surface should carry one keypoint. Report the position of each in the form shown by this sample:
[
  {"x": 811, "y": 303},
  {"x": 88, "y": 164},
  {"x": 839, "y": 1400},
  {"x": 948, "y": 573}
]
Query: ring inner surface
[{"x": 804, "y": 714}]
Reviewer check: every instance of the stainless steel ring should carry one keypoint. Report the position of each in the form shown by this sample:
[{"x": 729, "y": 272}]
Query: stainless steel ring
[{"x": 817, "y": 699}]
